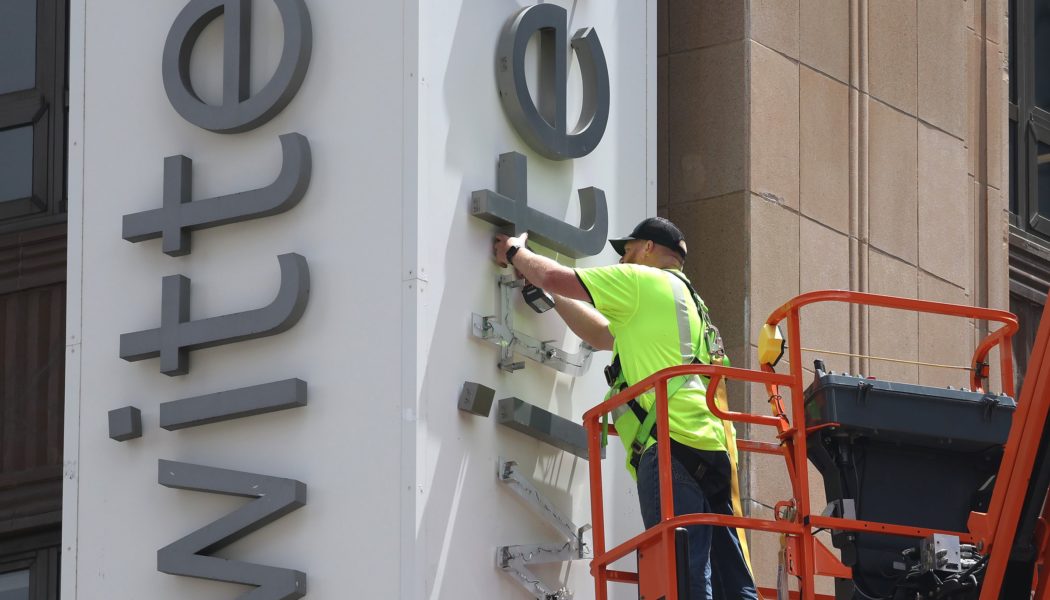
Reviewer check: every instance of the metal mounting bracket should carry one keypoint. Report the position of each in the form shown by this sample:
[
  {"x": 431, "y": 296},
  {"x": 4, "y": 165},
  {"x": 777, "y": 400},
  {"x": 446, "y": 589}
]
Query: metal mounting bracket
[
  {"x": 515, "y": 560},
  {"x": 499, "y": 331},
  {"x": 514, "y": 563}
]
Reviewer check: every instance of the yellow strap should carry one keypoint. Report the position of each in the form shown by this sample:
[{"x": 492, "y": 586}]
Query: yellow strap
[
  {"x": 723, "y": 403},
  {"x": 782, "y": 569}
]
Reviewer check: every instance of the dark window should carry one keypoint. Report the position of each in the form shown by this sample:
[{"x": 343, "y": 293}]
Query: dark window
[
  {"x": 14, "y": 585},
  {"x": 29, "y": 567},
  {"x": 1029, "y": 282},
  {"x": 1030, "y": 118},
  {"x": 1029, "y": 201},
  {"x": 33, "y": 91},
  {"x": 1039, "y": 186},
  {"x": 1028, "y": 314},
  {"x": 16, "y": 171},
  {"x": 1042, "y": 170},
  {"x": 17, "y": 45},
  {"x": 1040, "y": 48}
]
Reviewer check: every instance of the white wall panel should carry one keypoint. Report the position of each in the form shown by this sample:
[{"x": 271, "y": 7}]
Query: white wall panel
[
  {"x": 465, "y": 513},
  {"x": 347, "y": 345},
  {"x": 401, "y": 111}
]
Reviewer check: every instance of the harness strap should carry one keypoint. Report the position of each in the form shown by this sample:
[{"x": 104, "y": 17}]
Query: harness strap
[
  {"x": 614, "y": 372},
  {"x": 689, "y": 351},
  {"x": 686, "y": 347}
]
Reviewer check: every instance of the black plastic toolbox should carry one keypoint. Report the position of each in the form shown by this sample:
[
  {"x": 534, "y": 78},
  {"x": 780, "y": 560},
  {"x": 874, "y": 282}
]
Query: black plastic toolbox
[
  {"x": 913, "y": 414},
  {"x": 904, "y": 454}
]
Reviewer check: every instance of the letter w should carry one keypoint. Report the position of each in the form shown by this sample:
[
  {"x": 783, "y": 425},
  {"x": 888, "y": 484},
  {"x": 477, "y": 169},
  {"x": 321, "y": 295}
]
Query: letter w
[{"x": 274, "y": 498}]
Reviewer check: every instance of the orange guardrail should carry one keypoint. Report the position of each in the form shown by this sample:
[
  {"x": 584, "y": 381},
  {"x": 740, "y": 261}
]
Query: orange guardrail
[{"x": 809, "y": 556}]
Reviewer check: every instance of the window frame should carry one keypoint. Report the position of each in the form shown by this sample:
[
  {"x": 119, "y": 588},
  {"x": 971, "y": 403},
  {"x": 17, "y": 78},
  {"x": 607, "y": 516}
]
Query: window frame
[
  {"x": 1030, "y": 125},
  {"x": 1037, "y": 131},
  {"x": 45, "y": 108},
  {"x": 1029, "y": 239},
  {"x": 24, "y": 562}
]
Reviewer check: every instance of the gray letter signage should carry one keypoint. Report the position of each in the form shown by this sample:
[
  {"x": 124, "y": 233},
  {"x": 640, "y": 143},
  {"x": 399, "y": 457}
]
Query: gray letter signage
[
  {"x": 177, "y": 334},
  {"x": 273, "y": 497},
  {"x": 178, "y": 216},
  {"x": 231, "y": 404},
  {"x": 239, "y": 110},
  {"x": 508, "y": 207},
  {"x": 270, "y": 497},
  {"x": 544, "y": 127}
]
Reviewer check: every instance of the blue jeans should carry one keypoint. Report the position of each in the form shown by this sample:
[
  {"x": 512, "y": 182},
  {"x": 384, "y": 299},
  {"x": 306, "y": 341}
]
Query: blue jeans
[{"x": 716, "y": 562}]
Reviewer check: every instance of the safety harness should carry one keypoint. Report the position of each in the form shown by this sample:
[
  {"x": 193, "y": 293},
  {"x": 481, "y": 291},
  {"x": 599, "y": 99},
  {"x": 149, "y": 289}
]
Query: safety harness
[{"x": 637, "y": 431}]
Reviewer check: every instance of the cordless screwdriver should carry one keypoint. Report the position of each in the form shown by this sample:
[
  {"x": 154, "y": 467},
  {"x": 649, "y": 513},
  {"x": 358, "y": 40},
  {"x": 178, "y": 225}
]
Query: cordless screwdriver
[{"x": 537, "y": 299}]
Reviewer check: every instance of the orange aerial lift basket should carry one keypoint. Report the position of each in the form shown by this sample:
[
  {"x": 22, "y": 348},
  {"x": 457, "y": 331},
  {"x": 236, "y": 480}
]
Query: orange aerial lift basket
[{"x": 1006, "y": 534}]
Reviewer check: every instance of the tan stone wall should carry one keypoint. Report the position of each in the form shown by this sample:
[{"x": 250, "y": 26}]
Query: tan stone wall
[{"x": 855, "y": 144}]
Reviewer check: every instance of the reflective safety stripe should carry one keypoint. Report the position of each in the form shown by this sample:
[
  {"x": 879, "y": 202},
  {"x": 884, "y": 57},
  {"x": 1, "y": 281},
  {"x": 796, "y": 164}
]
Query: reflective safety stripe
[
  {"x": 685, "y": 340},
  {"x": 640, "y": 435},
  {"x": 685, "y": 333}
]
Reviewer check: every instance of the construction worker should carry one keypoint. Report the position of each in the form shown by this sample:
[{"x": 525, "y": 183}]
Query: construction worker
[{"x": 645, "y": 310}]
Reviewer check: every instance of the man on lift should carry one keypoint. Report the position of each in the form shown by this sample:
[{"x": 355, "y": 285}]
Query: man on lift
[{"x": 646, "y": 311}]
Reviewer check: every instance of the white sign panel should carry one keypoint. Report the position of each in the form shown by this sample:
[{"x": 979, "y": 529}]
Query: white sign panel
[{"x": 281, "y": 219}]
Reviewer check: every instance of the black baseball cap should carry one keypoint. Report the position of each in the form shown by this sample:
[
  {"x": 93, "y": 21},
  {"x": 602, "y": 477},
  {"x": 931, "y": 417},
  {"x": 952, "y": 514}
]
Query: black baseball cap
[{"x": 657, "y": 230}]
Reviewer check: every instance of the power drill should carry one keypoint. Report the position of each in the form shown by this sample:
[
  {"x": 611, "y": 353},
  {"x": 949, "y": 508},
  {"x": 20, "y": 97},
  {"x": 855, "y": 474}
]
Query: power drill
[{"x": 537, "y": 299}]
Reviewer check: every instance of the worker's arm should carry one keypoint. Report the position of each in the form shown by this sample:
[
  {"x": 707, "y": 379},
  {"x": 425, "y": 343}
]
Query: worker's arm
[
  {"x": 584, "y": 320},
  {"x": 569, "y": 294},
  {"x": 540, "y": 270}
]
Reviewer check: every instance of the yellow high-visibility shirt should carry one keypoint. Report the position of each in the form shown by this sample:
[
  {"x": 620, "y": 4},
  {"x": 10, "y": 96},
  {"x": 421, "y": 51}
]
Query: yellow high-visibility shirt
[{"x": 644, "y": 306}]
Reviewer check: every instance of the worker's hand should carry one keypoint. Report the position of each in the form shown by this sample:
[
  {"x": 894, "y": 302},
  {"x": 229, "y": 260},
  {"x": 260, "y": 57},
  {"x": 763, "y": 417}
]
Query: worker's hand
[{"x": 503, "y": 243}]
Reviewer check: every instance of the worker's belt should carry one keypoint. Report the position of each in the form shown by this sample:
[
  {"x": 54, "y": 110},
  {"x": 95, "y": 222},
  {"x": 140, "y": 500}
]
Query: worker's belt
[
  {"x": 712, "y": 469},
  {"x": 683, "y": 453},
  {"x": 612, "y": 372}
]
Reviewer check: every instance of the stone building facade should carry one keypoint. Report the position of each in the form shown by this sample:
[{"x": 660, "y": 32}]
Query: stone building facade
[{"x": 851, "y": 144}]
